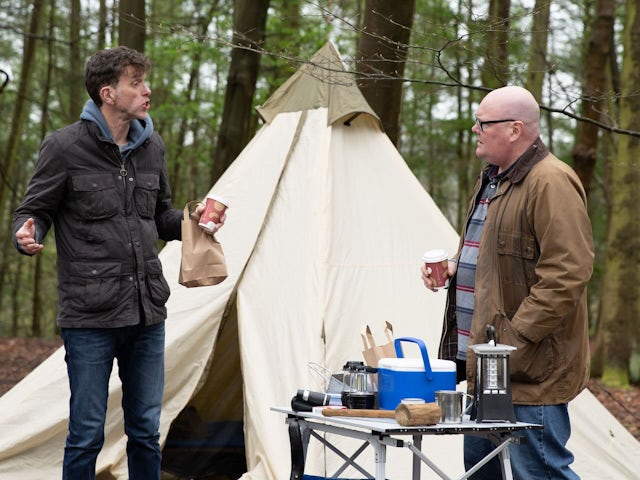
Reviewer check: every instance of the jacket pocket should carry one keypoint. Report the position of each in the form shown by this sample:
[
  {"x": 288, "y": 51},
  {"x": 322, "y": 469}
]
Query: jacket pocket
[
  {"x": 97, "y": 196},
  {"x": 157, "y": 287},
  {"x": 94, "y": 287},
  {"x": 517, "y": 254},
  {"x": 146, "y": 194},
  {"x": 531, "y": 362}
]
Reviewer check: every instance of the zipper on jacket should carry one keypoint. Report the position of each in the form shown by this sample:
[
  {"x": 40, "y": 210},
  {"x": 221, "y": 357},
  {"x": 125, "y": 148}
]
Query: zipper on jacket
[
  {"x": 123, "y": 175},
  {"x": 117, "y": 156}
]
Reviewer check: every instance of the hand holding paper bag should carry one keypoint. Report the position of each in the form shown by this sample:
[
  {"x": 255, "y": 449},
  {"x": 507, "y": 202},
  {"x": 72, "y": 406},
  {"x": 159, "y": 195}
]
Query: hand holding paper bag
[{"x": 202, "y": 262}]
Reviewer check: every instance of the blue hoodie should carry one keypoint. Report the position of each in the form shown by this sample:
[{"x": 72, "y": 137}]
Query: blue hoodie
[{"x": 139, "y": 130}]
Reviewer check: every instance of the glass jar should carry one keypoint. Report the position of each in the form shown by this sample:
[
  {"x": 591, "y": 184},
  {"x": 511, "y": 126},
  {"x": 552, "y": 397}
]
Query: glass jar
[
  {"x": 347, "y": 371},
  {"x": 363, "y": 388}
]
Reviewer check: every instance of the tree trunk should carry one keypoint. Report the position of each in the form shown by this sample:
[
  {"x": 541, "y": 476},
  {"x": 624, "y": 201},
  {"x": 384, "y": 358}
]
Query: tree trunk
[
  {"x": 21, "y": 106},
  {"x": 189, "y": 124},
  {"x": 594, "y": 91},
  {"x": 619, "y": 316},
  {"x": 381, "y": 56},
  {"x": 102, "y": 25},
  {"x": 131, "y": 23},
  {"x": 495, "y": 69},
  {"x": 249, "y": 23},
  {"x": 76, "y": 77},
  {"x": 37, "y": 295},
  {"x": 538, "y": 50}
]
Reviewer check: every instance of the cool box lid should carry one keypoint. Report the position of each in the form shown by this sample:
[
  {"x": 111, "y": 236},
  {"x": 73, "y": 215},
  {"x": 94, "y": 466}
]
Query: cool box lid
[{"x": 416, "y": 364}]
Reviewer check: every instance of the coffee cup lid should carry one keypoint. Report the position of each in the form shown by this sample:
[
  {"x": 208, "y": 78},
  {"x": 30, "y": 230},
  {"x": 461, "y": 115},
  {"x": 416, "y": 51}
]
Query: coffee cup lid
[
  {"x": 436, "y": 255},
  {"x": 218, "y": 198}
]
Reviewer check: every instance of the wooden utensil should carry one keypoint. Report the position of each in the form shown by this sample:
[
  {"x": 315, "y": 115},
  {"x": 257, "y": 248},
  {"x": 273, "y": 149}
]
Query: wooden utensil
[
  {"x": 407, "y": 415},
  {"x": 358, "y": 412}
]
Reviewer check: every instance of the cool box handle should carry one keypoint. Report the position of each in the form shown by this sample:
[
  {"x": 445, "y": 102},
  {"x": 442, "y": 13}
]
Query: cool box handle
[{"x": 423, "y": 351}]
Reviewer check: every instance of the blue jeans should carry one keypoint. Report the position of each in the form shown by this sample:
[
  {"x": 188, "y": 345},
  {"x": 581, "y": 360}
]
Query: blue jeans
[
  {"x": 543, "y": 455},
  {"x": 89, "y": 355}
]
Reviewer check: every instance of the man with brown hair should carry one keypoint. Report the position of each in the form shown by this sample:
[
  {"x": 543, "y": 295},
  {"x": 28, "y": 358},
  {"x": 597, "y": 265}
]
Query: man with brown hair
[{"x": 103, "y": 183}]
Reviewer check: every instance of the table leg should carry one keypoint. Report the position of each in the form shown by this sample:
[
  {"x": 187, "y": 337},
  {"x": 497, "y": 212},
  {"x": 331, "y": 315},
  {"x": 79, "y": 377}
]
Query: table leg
[
  {"x": 417, "y": 442},
  {"x": 380, "y": 450},
  {"x": 298, "y": 450},
  {"x": 505, "y": 464},
  {"x": 501, "y": 445},
  {"x": 418, "y": 453}
]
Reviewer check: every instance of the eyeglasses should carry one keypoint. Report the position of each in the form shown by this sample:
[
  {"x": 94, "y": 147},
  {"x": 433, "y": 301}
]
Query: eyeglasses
[{"x": 482, "y": 123}]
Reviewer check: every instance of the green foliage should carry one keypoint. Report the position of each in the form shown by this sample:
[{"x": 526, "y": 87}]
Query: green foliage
[
  {"x": 433, "y": 114},
  {"x": 295, "y": 31},
  {"x": 190, "y": 46},
  {"x": 615, "y": 377}
]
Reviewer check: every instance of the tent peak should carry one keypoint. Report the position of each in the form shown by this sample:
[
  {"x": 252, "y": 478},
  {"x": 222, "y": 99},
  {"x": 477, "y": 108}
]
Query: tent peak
[{"x": 321, "y": 82}]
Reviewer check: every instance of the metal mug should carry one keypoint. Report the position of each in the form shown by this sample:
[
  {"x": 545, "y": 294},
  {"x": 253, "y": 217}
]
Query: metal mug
[{"x": 452, "y": 405}]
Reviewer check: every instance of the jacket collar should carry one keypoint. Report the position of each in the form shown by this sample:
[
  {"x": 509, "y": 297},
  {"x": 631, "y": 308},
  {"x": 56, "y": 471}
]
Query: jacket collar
[
  {"x": 516, "y": 172},
  {"x": 139, "y": 130},
  {"x": 532, "y": 155}
]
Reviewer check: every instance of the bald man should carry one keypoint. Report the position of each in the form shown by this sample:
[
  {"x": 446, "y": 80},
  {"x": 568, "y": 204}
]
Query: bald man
[{"x": 525, "y": 257}]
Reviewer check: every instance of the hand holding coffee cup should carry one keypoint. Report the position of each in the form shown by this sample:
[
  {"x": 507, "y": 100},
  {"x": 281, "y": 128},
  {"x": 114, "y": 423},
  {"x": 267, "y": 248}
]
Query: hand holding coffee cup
[
  {"x": 213, "y": 215},
  {"x": 435, "y": 269}
]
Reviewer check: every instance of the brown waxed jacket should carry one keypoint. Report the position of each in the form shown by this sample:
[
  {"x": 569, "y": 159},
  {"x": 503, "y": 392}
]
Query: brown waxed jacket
[{"x": 535, "y": 259}]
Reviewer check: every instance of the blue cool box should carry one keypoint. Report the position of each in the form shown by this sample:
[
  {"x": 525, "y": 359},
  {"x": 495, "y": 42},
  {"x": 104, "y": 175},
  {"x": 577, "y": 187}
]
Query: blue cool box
[{"x": 401, "y": 377}]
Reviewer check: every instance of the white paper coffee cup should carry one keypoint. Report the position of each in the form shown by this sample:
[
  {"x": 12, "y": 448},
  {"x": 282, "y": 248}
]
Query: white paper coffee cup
[
  {"x": 438, "y": 261},
  {"x": 214, "y": 208}
]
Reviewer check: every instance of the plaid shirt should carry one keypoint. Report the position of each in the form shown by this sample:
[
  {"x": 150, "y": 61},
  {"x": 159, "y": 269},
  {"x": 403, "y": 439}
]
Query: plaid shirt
[{"x": 461, "y": 294}]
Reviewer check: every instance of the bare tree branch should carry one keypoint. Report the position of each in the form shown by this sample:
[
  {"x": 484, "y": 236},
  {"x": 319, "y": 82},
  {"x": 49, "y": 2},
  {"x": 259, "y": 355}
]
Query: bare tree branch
[{"x": 438, "y": 53}]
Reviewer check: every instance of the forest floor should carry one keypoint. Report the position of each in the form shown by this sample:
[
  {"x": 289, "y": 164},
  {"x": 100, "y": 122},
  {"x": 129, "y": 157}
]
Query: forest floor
[{"x": 18, "y": 356}]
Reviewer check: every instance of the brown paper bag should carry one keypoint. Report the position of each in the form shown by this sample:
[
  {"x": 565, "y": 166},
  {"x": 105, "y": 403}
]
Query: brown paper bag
[
  {"x": 372, "y": 352},
  {"x": 202, "y": 262}
]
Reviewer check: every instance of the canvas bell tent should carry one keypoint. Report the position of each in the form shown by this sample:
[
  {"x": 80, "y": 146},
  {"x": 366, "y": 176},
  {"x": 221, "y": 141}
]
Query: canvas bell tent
[{"x": 325, "y": 231}]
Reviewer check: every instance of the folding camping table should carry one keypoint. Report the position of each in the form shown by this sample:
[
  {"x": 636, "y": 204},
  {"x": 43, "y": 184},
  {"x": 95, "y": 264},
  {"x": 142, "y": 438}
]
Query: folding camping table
[{"x": 383, "y": 432}]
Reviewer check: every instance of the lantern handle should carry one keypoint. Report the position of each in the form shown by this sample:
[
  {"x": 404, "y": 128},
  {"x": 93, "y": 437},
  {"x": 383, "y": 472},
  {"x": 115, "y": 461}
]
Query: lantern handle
[
  {"x": 491, "y": 334},
  {"x": 423, "y": 352}
]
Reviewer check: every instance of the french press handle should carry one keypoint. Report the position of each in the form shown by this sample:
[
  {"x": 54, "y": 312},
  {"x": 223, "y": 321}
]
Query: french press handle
[{"x": 491, "y": 334}]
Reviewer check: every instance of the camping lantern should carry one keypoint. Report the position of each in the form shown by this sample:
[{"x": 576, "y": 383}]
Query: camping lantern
[{"x": 493, "y": 402}]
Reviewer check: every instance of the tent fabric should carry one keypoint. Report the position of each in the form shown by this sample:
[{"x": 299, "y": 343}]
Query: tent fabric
[
  {"x": 324, "y": 234},
  {"x": 333, "y": 88}
]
